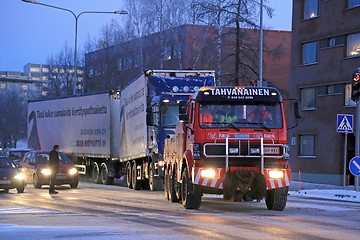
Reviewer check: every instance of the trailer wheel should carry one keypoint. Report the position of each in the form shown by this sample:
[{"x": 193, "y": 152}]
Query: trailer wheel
[
  {"x": 191, "y": 199},
  {"x": 135, "y": 182},
  {"x": 36, "y": 181},
  {"x": 155, "y": 183},
  {"x": 276, "y": 198},
  {"x": 96, "y": 173},
  {"x": 172, "y": 190},
  {"x": 104, "y": 174},
  {"x": 166, "y": 185},
  {"x": 128, "y": 175}
]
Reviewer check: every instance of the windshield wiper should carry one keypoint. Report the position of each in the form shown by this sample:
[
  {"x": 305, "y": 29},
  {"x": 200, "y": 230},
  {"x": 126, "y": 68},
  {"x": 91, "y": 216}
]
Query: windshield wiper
[
  {"x": 229, "y": 124},
  {"x": 260, "y": 124}
]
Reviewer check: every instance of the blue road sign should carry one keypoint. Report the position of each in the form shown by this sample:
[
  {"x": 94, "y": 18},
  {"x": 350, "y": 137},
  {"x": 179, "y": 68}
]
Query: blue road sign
[
  {"x": 354, "y": 166},
  {"x": 344, "y": 123}
]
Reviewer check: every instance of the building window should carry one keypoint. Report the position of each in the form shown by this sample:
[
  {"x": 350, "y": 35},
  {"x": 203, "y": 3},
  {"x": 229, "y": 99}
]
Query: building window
[
  {"x": 353, "y": 45},
  {"x": 311, "y": 9},
  {"x": 34, "y": 69},
  {"x": 330, "y": 89},
  {"x": 310, "y": 53},
  {"x": 308, "y": 98},
  {"x": 348, "y": 101},
  {"x": 307, "y": 145},
  {"x": 332, "y": 42},
  {"x": 354, "y": 3}
]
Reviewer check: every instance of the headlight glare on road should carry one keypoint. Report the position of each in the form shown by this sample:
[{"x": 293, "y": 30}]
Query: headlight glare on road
[
  {"x": 46, "y": 171},
  {"x": 73, "y": 171}
]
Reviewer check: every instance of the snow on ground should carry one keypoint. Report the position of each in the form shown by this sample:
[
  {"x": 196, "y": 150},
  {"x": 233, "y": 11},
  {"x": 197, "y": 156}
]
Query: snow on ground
[{"x": 323, "y": 191}]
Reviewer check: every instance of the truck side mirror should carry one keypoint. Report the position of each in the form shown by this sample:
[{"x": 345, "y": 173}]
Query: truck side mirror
[
  {"x": 183, "y": 117},
  {"x": 182, "y": 107},
  {"x": 149, "y": 119}
]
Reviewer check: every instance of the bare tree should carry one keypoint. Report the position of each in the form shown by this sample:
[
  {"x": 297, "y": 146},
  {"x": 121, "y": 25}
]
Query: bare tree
[
  {"x": 61, "y": 72},
  {"x": 12, "y": 122}
]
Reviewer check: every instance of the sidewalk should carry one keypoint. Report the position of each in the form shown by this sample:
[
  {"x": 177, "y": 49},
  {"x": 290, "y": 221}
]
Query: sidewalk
[{"x": 323, "y": 191}]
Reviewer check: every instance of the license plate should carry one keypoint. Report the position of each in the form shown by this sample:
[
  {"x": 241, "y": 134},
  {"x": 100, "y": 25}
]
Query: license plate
[
  {"x": 271, "y": 150},
  {"x": 60, "y": 177},
  {"x": 5, "y": 181}
]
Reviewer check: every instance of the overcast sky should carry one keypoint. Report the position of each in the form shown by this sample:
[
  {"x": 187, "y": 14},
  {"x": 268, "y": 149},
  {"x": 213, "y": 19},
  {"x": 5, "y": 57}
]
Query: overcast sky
[{"x": 32, "y": 33}]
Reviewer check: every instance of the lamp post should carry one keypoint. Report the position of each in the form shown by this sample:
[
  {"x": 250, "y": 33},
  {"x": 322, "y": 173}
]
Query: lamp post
[
  {"x": 76, "y": 17},
  {"x": 261, "y": 45}
]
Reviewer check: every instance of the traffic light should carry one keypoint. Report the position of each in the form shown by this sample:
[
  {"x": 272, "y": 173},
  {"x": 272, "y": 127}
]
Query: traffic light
[{"x": 355, "y": 87}]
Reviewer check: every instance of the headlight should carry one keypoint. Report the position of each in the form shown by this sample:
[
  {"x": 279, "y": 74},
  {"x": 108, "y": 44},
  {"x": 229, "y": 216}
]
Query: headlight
[
  {"x": 73, "y": 171},
  {"x": 277, "y": 174},
  {"x": 46, "y": 171},
  {"x": 208, "y": 173},
  {"x": 160, "y": 163},
  {"x": 19, "y": 177}
]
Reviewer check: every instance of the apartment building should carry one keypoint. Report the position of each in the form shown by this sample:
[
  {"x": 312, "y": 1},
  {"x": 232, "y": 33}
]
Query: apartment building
[{"x": 325, "y": 49}]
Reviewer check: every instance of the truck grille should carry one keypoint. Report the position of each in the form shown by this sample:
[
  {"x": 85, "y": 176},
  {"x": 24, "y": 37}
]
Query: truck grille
[{"x": 243, "y": 148}]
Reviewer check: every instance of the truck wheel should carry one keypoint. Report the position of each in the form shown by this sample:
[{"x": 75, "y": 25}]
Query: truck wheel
[
  {"x": 155, "y": 183},
  {"x": 96, "y": 173},
  {"x": 104, "y": 174},
  {"x": 135, "y": 183},
  {"x": 128, "y": 175},
  {"x": 276, "y": 198},
  {"x": 166, "y": 185},
  {"x": 172, "y": 190},
  {"x": 36, "y": 181},
  {"x": 191, "y": 199}
]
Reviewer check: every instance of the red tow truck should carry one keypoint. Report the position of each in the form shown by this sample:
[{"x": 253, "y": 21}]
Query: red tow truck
[{"x": 231, "y": 141}]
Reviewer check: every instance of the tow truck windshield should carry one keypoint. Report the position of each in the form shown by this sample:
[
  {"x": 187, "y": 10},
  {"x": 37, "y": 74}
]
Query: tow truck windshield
[{"x": 241, "y": 116}]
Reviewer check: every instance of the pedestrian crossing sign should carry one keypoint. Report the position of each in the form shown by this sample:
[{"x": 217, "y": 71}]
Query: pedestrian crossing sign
[{"x": 345, "y": 123}]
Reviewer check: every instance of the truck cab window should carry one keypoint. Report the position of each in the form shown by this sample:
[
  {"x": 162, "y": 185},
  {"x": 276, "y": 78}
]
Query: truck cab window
[
  {"x": 169, "y": 115},
  {"x": 241, "y": 115}
]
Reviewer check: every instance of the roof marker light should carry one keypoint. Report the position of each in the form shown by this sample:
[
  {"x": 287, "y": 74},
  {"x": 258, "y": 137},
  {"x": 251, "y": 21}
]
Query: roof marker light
[{"x": 175, "y": 89}]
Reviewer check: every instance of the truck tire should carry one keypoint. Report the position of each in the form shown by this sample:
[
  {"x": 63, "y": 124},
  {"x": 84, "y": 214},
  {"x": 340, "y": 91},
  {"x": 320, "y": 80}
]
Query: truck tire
[
  {"x": 172, "y": 191},
  {"x": 36, "y": 181},
  {"x": 276, "y": 198},
  {"x": 155, "y": 183},
  {"x": 135, "y": 182},
  {"x": 166, "y": 185},
  {"x": 104, "y": 174},
  {"x": 191, "y": 199},
  {"x": 129, "y": 175},
  {"x": 96, "y": 173}
]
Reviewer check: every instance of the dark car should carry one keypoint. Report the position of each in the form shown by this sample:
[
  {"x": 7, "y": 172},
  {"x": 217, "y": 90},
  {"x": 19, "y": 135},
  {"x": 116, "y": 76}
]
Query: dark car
[
  {"x": 15, "y": 154},
  {"x": 35, "y": 166},
  {"x": 11, "y": 176}
]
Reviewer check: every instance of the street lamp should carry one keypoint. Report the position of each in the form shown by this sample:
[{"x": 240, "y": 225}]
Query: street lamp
[
  {"x": 76, "y": 27},
  {"x": 261, "y": 45}
]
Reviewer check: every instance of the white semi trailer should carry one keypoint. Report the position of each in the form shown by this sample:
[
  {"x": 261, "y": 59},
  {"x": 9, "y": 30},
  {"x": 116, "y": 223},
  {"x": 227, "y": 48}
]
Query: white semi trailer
[{"x": 114, "y": 133}]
